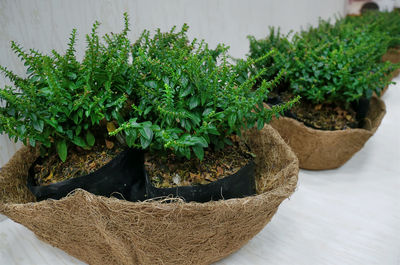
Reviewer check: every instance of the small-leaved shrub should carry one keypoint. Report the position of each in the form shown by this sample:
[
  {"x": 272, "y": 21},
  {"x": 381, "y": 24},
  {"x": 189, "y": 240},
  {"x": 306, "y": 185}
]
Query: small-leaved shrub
[
  {"x": 332, "y": 62},
  {"x": 61, "y": 102},
  {"x": 384, "y": 22},
  {"x": 162, "y": 92},
  {"x": 187, "y": 97},
  {"x": 275, "y": 41}
]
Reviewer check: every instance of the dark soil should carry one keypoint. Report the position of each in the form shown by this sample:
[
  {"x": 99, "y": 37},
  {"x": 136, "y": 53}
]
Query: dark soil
[
  {"x": 172, "y": 171},
  {"x": 79, "y": 162},
  {"x": 329, "y": 116}
]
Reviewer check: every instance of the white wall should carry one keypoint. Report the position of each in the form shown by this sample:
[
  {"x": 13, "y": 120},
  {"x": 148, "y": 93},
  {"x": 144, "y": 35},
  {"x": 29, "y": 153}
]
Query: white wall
[{"x": 46, "y": 24}]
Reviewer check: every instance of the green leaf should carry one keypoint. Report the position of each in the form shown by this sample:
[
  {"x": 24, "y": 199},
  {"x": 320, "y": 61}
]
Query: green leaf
[
  {"x": 199, "y": 141},
  {"x": 70, "y": 134},
  {"x": 185, "y": 92},
  {"x": 195, "y": 118},
  {"x": 38, "y": 125},
  {"x": 207, "y": 111},
  {"x": 198, "y": 151},
  {"x": 232, "y": 120},
  {"x": 212, "y": 129},
  {"x": 90, "y": 138},
  {"x": 59, "y": 129},
  {"x": 130, "y": 137},
  {"x": 186, "y": 152},
  {"x": 72, "y": 75},
  {"x": 107, "y": 85},
  {"x": 79, "y": 141},
  {"x": 62, "y": 150},
  {"x": 147, "y": 133},
  {"x": 147, "y": 110},
  {"x": 21, "y": 129},
  {"x": 184, "y": 81},
  {"x": 193, "y": 102},
  {"x": 29, "y": 71},
  {"x": 32, "y": 142},
  {"x": 151, "y": 84},
  {"x": 144, "y": 142},
  {"x": 260, "y": 124},
  {"x": 228, "y": 141},
  {"x": 47, "y": 91},
  {"x": 75, "y": 118},
  {"x": 78, "y": 130},
  {"x": 35, "y": 78}
]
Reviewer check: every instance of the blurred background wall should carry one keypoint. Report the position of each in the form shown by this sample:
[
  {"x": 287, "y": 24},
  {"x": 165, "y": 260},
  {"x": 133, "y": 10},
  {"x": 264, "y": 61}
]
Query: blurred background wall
[{"x": 46, "y": 24}]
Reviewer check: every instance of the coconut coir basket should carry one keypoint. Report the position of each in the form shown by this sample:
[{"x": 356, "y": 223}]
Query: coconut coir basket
[
  {"x": 393, "y": 56},
  {"x": 101, "y": 230},
  {"x": 319, "y": 149}
]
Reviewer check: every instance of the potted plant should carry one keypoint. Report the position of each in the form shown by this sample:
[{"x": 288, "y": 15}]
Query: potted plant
[
  {"x": 335, "y": 69},
  {"x": 101, "y": 230},
  {"x": 386, "y": 22},
  {"x": 63, "y": 107},
  {"x": 190, "y": 106}
]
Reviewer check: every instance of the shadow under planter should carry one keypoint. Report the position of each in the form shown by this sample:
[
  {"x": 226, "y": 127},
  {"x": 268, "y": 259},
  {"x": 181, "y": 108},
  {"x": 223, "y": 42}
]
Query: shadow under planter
[
  {"x": 101, "y": 230},
  {"x": 319, "y": 149}
]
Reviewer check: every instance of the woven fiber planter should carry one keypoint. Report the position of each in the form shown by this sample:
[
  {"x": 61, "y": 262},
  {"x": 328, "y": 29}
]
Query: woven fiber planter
[
  {"x": 100, "y": 230},
  {"x": 319, "y": 149},
  {"x": 392, "y": 55}
]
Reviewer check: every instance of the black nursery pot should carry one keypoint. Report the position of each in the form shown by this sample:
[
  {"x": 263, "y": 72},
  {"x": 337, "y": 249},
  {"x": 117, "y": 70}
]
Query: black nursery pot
[
  {"x": 361, "y": 107},
  {"x": 122, "y": 177},
  {"x": 238, "y": 185}
]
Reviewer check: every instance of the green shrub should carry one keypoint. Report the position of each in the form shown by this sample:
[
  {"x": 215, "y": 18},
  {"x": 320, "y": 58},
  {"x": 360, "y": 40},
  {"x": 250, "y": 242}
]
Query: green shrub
[
  {"x": 62, "y": 101},
  {"x": 258, "y": 48},
  {"x": 384, "y": 22},
  {"x": 187, "y": 97},
  {"x": 332, "y": 63}
]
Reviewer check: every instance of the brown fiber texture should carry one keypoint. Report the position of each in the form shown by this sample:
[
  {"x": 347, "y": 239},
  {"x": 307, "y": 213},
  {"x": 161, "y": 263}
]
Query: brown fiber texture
[
  {"x": 100, "y": 230},
  {"x": 320, "y": 149},
  {"x": 392, "y": 55}
]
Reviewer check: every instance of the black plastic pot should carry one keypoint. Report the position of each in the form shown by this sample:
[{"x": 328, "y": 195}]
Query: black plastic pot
[
  {"x": 361, "y": 107},
  {"x": 238, "y": 185},
  {"x": 122, "y": 177}
]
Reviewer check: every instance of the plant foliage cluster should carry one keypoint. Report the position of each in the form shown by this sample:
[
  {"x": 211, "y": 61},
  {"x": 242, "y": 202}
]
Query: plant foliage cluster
[
  {"x": 162, "y": 93},
  {"x": 386, "y": 22},
  {"x": 338, "y": 62},
  {"x": 187, "y": 97},
  {"x": 62, "y": 101}
]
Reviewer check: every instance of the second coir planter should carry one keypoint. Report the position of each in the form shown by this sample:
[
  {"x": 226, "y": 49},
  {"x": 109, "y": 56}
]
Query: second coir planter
[
  {"x": 238, "y": 185},
  {"x": 319, "y": 149},
  {"x": 393, "y": 56}
]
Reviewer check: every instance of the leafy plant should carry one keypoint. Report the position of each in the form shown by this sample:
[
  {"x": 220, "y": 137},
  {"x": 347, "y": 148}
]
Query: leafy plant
[
  {"x": 187, "y": 97},
  {"x": 332, "y": 62},
  {"x": 384, "y": 22},
  {"x": 275, "y": 41},
  {"x": 61, "y": 101}
]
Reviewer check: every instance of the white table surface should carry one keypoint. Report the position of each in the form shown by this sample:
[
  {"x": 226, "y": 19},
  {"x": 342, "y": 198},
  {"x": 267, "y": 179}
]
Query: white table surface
[{"x": 346, "y": 216}]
